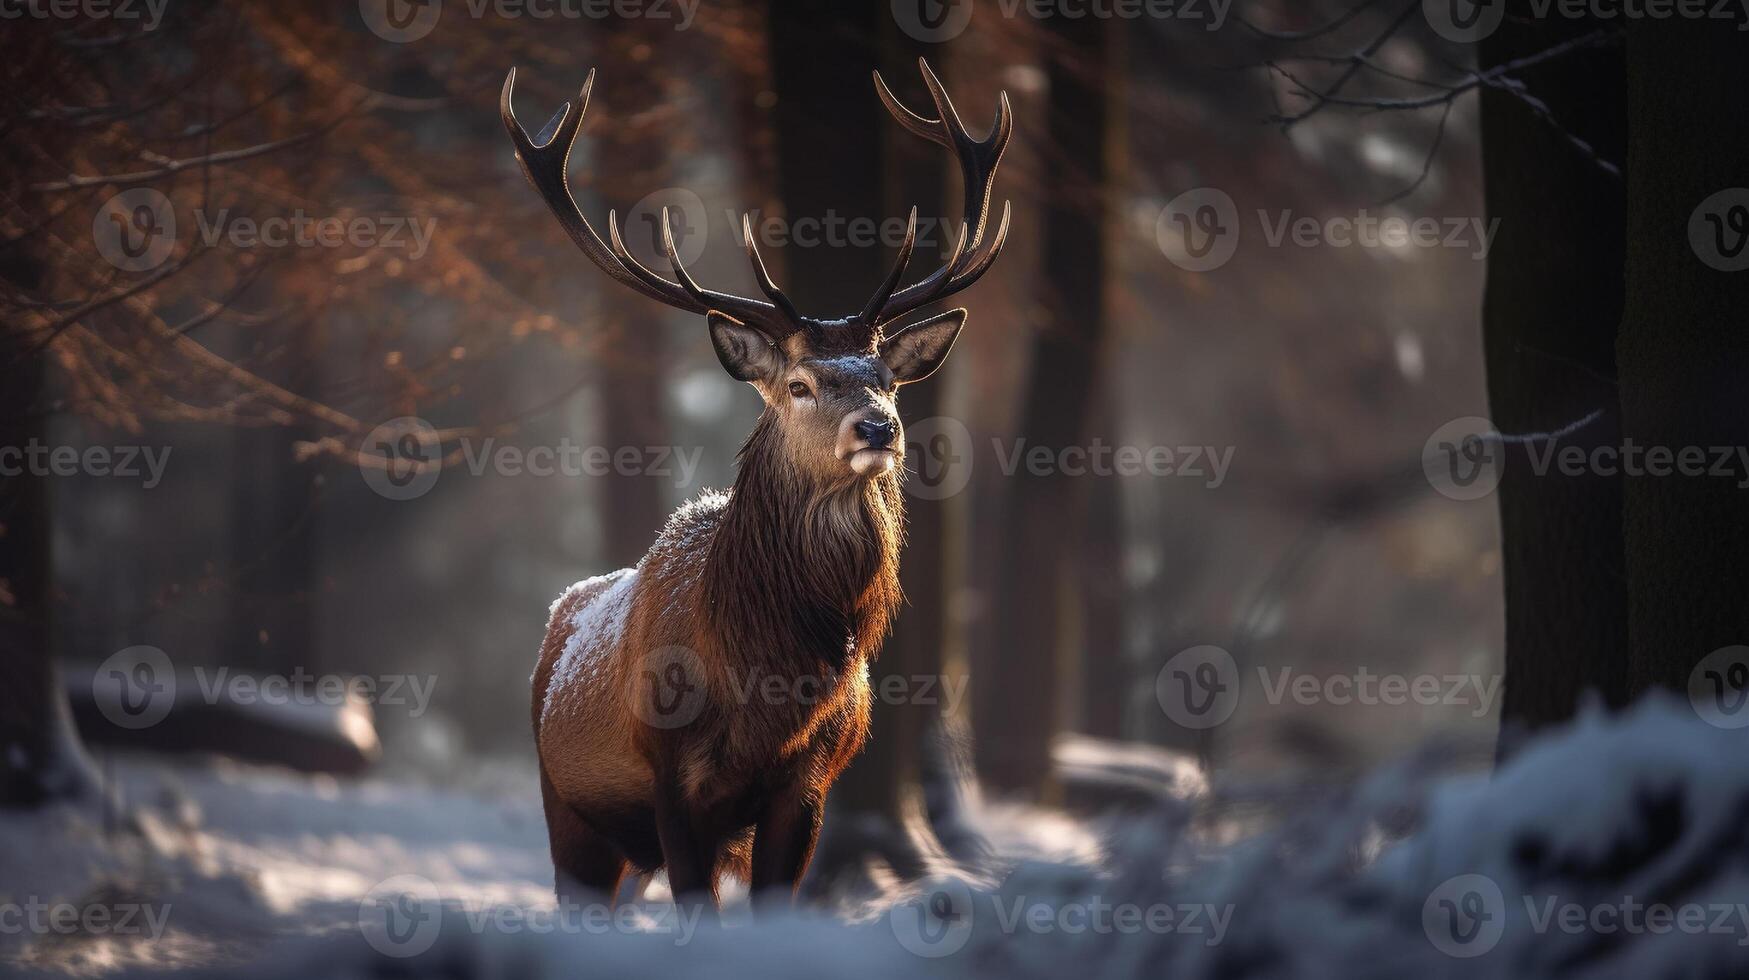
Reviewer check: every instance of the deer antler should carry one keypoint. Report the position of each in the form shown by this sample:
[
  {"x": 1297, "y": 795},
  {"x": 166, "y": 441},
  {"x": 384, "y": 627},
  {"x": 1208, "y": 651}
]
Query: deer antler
[
  {"x": 544, "y": 160},
  {"x": 978, "y": 160}
]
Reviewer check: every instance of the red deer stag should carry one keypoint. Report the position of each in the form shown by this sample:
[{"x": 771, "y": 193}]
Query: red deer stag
[{"x": 652, "y": 753}]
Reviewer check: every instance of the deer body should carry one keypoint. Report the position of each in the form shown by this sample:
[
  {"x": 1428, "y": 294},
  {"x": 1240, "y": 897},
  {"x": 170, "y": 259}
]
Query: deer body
[
  {"x": 691, "y": 713},
  {"x": 779, "y": 706}
]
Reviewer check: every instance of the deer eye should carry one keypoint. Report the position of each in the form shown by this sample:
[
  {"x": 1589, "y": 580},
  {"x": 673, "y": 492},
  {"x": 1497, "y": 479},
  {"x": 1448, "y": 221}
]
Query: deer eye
[{"x": 799, "y": 389}]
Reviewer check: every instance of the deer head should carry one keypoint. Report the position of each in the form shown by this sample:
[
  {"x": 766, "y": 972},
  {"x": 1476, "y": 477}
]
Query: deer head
[{"x": 828, "y": 384}]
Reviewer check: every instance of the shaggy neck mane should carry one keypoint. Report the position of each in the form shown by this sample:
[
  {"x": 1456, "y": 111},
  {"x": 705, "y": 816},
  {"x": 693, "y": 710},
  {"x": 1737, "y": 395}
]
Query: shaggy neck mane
[{"x": 801, "y": 570}]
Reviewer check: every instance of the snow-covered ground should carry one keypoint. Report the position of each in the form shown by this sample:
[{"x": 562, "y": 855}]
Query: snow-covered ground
[{"x": 1615, "y": 848}]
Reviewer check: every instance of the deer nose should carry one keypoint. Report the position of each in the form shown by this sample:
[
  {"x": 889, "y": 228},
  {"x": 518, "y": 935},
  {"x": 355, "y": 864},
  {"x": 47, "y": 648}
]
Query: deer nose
[{"x": 878, "y": 434}]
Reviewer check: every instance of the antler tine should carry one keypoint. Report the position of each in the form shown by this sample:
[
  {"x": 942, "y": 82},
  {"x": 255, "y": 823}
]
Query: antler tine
[
  {"x": 947, "y": 129},
  {"x": 873, "y": 309},
  {"x": 982, "y": 261},
  {"x": 544, "y": 161},
  {"x": 622, "y": 255},
  {"x": 929, "y": 129},
  {"x": 870, "y": 314},
  {"x": 978, "y": 160},
  {"x": 680, "y": 274},
  {"x": 766, "y": 285}
]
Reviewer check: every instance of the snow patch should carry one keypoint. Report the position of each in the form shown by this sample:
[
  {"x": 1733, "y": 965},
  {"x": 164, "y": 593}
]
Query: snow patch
[
  {"x": 596, "y": 629},
  {"x": 862, "y": 367}
]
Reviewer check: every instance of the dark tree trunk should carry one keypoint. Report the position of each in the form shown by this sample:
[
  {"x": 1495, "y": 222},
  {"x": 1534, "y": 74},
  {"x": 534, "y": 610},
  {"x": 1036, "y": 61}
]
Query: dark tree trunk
[
  {"x": 1684, "y": 349},
  {"x": 631, "y": 383},
  {"x": 1105, "y": 665},
  {"x": 40, "y": 755},
  {"x": 1549, "y": 318},
  {"x": 1016, "y": 679},
  {"x": 838, "y": 151},
  {"x": 830, "y": 155}
]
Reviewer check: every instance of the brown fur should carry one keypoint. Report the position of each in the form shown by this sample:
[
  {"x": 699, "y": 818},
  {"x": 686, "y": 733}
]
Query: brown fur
[{"x": 793, "y": 577}]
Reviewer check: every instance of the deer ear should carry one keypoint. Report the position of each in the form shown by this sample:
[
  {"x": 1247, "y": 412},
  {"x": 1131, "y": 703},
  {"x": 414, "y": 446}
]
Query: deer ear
[
  {"x": 915, "y": 352},
  {"x": 747, "y": 354}
]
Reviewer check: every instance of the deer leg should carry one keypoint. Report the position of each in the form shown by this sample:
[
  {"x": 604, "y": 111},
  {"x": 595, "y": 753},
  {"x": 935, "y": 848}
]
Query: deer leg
[
  {"x": 687, "y": 850},
  {"x": 783, "y": 843},
  {"x": 586, "y": 866}
]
